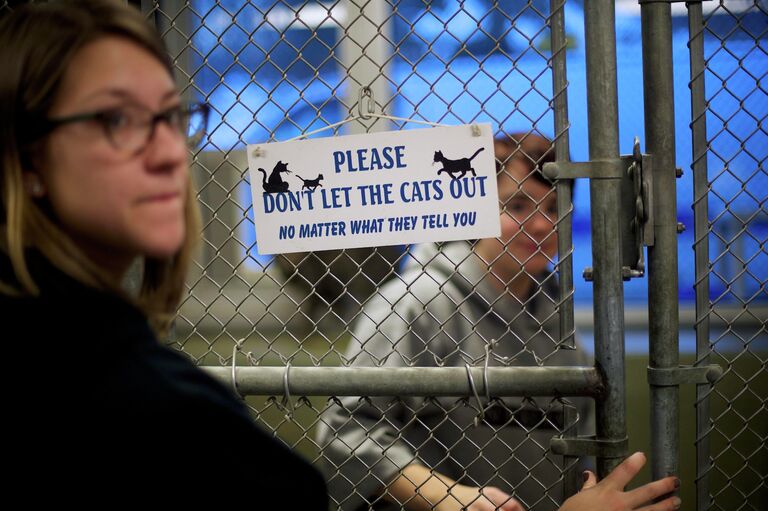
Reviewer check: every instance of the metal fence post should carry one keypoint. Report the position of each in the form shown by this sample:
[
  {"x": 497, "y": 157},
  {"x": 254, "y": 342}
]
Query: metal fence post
[
  {"x": 658, "y": 80},
  {"x": 564, "y": 186},
  {"x": 602, "y": 111},
  {"x": 564, "y": 213},
  {"x": 365, "y": 46},
  {"x": 700, "y": 246}
]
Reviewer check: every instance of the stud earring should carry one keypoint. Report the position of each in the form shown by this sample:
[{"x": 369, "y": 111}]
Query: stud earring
[{"x": 35, "y": 188}]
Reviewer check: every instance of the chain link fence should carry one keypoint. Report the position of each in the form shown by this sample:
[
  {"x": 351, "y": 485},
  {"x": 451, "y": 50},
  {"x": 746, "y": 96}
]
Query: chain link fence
[
  {"x": 275, "y": 70},
  {"x": 730, "y": 108}
]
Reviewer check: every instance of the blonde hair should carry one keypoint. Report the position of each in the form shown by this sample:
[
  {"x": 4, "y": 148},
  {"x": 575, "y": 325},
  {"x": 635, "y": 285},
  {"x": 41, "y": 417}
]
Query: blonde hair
[{"x": 37, "y": 43}]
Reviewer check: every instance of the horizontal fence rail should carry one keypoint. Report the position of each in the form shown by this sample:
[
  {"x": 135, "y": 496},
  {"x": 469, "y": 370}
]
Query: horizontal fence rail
[{"x": 412, "y": 381}]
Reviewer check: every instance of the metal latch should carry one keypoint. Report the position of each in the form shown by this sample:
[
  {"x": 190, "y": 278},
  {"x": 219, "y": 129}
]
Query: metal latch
[
  {"x": 637, "y": 214},
  {"x": 635, "y": 172}
]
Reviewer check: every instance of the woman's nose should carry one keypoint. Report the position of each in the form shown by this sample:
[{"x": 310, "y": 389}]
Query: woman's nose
[
  {"x": 539, "y": 222},
  {"x": 166, "y": 147}
]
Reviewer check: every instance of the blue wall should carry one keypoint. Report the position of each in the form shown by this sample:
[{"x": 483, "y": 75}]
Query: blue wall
[{"x": 459, "y": 66}]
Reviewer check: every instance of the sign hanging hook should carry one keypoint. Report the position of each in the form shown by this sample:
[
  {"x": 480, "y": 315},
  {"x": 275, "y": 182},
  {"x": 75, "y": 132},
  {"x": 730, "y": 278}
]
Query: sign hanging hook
[{"x": 366, "y": 95}]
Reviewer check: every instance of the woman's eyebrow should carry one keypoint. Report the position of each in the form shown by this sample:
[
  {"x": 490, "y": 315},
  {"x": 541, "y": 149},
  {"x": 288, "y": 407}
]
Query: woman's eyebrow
[
  {"x": 118, "y": 93},
  {"x": 171, "y": 94},
  {"x": 125, "y": 94}
]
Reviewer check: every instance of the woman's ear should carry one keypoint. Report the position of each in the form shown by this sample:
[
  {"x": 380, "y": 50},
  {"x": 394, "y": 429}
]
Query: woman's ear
[{"x": 33, "y": 184}]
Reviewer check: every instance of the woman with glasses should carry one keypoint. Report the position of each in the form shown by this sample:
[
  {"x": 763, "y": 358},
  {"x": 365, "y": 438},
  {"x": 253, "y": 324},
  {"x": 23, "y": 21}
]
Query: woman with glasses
[{"x": 94, "y": 179}]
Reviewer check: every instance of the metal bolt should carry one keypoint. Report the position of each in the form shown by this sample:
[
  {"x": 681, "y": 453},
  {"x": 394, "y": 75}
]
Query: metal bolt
[
  {"x": 680, "y": 227},
  {"x": 628, "y": 273},
  {"x": 678, "y": 172},
  {"x": 587, "y": 274}
]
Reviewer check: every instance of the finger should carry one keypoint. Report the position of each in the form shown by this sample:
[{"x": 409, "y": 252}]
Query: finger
[
  {"x": 477, "y": 498},
  {"x": 501, "y": 499},
  {"x": 624, "y": 473},
  {"x": 511, "y": 505},
  {"x": 670, "y": 504},
  {"x": 590, "y": 480},
  {"x": 494, "y": 494},
  {"x": 480, "y": 505},
  {"x": 650, "y": 491}
]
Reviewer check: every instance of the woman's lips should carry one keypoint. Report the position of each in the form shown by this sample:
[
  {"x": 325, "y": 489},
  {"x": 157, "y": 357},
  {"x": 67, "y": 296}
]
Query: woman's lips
[
  {"x": 527, "y": 246},
  {"x": 161, "y": 197},
  {"x": 531, "y": 247}
]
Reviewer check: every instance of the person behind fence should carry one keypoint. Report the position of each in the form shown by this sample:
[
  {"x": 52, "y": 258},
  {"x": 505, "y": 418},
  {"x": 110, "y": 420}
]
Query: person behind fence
[
  {"x": 95, "y": 178},
  {"x": 456, "y": 305}
]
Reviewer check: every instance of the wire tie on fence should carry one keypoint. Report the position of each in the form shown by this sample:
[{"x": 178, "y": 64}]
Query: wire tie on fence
[
  {"x": 257, "y": 152},
  {"x": 480, "y": 416},
  {"x": 476, "y": 130},
  {"x": 287, "y": 404},
  {"x": 488, "y": 348},
  {"x": 234, "y": 369}
]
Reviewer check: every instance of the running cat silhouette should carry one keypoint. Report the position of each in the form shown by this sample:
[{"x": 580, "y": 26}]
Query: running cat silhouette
[
  {"x": 311, "y": 183},
  {"x": 453, "y": 167},
  {"x": 275, "y": 183}
]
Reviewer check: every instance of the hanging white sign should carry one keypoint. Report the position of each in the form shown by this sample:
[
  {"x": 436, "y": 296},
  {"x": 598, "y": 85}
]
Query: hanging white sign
[{"x": 386, "y": 188}]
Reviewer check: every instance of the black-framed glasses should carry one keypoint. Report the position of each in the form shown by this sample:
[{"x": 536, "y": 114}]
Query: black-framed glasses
[{"x": 130, "y": 127}]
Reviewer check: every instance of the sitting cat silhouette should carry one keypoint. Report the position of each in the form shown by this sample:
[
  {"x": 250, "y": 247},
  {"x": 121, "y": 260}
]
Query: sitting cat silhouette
[
  {"x": 454, "y": 167},
  {"x": 311, "y": 183},
  {"x": 275, "y": 183}
]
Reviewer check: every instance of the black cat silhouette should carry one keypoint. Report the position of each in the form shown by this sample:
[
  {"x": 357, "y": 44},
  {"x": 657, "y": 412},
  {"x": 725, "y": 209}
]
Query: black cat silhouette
[
  {"x": 453, "y": 167},
  {"x": 275, "y": 183},
  {"x": 311, "y": 183}
]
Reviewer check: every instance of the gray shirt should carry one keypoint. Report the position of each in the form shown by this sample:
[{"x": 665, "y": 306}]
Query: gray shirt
[{"x": 444, "y": 311}]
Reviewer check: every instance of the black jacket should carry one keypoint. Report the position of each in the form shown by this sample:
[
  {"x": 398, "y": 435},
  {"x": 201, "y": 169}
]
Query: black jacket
[{"x": 95, "y": 402}]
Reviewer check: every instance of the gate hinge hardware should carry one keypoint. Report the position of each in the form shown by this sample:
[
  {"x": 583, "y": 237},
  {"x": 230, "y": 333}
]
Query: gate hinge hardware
[
  {"x": 673, "y": 376},
  {"x": 589, "y": 446}
]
